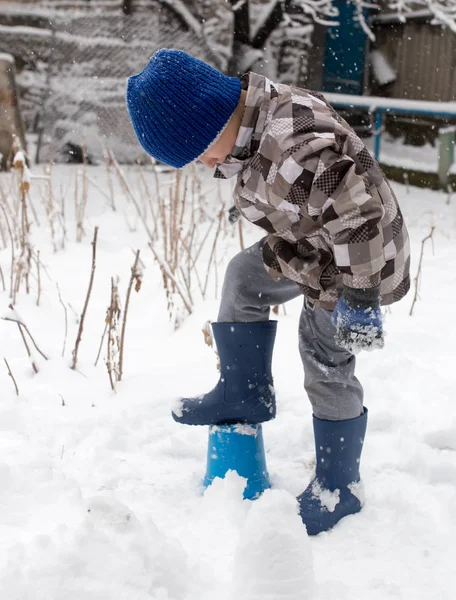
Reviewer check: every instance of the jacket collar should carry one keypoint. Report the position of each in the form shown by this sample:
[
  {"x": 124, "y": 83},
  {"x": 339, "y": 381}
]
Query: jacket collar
[{"x": 259, "y": 93}]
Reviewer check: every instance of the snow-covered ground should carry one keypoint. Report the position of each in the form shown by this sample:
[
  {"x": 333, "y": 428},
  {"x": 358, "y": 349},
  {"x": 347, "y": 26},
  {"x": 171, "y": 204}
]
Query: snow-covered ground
[
  {"x": 418, "y": 158},
  {"x": 100, "y": 492}
]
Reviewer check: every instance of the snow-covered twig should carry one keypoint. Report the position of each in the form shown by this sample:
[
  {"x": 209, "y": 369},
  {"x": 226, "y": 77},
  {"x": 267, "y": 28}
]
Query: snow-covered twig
[
  {"x": 211, "y": 257},
  {"x": 108, "y": 164},
  {"x": 101, "y": 343},
  {"x": 16, "y": 319},
  {"x": 66, "y": 320},
  {"x": 136, "y": 278},
  {"x": 112, "y": 319},
  {"x": 166, "y": 272},
  {"x": 418, "y": 274},
  {"x": 12, "y": 376},
  {"x": 38, "y": 278},
  {"x": 12, "y": 249},
  {"x": 126, "y": 187}
]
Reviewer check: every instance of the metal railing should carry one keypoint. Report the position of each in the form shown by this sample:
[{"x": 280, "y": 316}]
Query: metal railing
[{"x": 378, "y": 107}]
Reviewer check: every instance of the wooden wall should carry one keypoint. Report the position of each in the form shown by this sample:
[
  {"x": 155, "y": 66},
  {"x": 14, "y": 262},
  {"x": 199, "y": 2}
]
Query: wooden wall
[{"x": 424, "y": 58}]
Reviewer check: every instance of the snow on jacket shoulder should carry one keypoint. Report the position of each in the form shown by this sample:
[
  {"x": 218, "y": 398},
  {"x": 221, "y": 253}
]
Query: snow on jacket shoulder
[{"x": 305, "y": 177}]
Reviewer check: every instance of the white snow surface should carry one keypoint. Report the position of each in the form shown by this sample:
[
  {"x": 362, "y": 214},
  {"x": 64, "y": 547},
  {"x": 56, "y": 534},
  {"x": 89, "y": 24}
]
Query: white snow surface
[{"x": 100, "y": 492}]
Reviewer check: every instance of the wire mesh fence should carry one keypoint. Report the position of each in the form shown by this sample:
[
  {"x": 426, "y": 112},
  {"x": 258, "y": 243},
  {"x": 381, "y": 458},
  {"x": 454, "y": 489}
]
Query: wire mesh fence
[{"x": 73, "y": 62}]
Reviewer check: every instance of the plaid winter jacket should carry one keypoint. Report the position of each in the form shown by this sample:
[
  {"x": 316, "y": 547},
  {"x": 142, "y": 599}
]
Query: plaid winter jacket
[{"x": 305, "y": 177}]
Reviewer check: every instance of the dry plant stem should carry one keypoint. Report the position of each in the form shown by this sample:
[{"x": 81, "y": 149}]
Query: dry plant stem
[
  {"x": 101, "y": 344},
  {"x": 29, "y": 269},
  {"x": 22, "y": 324},
  {"x": 109, "y": 178},
  {"x": 66, "y": 320},
  {"x": 34, "y": 367},
  {"x": 164, "y": 226},
  {"x": 35, "y": 216},
  {"x": 211, "y": 257},
  {"x": 165, "y": 270},
  {"x": 157, "y": 182},
  {"x": 3, "y": 279},
  {"x": 39, "y": 278},
  {"x": 110, "y": 328},
  {"x": 181, "y": 219},
  {"x": 135, "y": 276},
  {"x": 12, "y": 376},
  {"x": 187, "y": 285},
  {"x": 75, "y": 314},
  {"x": 62, "y": 217},
  {"x": 191, "y": 264},
  {"x": 149, "y": 197},
  {"x": 18, "y": 281},
  {"x": 86, "y": 303},
  {"x": 2, "y": 231},
  {"x": 76, "y": 202},
  {"x": 12, "y": 250},
  {"x": 85, "y": 194},
  {"x": 97, "y": 187},
  {"x": 142, "y": 193},
  {"x": 25, "y": 226},
  {"x": 113, "y": 339},
  {"x": 416, "y": 280},
  {"x": 50, "y": 212},
  {"x": 188, "y": 249},
  {"x": 201, "y": 246},
  {"x": 130, "y": 194},
  {"x": 26, "y": 254}
]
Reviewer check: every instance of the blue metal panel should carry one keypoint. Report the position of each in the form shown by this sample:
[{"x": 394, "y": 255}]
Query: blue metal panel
[{"x": 345, "y": 52}]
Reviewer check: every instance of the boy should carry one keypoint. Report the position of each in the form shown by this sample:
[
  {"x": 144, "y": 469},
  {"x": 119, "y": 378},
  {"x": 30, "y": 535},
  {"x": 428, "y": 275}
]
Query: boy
[{"x": 335, "y": 235}]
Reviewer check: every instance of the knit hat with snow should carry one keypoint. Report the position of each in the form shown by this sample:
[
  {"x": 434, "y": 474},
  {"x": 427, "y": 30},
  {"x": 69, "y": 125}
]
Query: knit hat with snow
[{"x": 179, "y": 105}]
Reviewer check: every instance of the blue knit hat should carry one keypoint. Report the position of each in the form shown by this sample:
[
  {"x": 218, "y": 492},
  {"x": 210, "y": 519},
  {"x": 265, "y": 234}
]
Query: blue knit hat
[{"x": 179, "y": 105}]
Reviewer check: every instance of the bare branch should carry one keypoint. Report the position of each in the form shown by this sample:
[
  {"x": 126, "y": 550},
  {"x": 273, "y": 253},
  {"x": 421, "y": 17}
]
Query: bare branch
[
  {"x": 211, "y": 257},
  {"x": 3, "y": 279},
  {"x": 416, "y": 280},
  {"x": 35, "y": 368},
  {"x": 101, "y": 343},
  {"x": 167, "y": 271},
  {"x": 39, "y": 278},
  {"x": 112, "y": 318},
  {"x": 86, "y": 303},
  {"x": 12, "y": 376},
  {"x": 129, "y": 194},
  {"x": 66, "y": 319},
  {"x": 21, "y": 324},
  {"x": 136, "y": 276},
  {"x": 12, "y": 249}
]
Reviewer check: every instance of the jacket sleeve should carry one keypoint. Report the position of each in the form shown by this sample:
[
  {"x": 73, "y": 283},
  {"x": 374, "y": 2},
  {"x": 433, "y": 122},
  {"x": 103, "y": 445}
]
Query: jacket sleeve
[{"x": 326, "y": 185}]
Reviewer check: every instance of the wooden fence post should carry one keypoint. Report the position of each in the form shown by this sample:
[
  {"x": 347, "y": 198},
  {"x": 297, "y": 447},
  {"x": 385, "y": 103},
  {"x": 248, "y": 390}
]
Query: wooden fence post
[{"x": 10, "y": 118}]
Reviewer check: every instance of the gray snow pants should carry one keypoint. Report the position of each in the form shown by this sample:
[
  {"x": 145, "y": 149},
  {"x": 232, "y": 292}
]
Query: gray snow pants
[{"x": 329, "y": 371}]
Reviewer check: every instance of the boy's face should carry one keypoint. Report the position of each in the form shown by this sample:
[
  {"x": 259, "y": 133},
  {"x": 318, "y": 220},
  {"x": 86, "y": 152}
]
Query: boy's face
[{"x": 219, "y": 151}]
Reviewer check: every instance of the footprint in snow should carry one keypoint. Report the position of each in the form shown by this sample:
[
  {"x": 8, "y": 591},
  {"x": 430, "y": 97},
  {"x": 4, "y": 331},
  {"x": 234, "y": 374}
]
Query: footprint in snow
[{"x": 442, "y": 439}]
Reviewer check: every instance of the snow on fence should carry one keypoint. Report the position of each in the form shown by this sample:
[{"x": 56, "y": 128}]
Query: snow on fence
[{"x": 378, "y": 106}]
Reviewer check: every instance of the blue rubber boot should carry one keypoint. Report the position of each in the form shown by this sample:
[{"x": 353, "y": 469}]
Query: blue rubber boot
[
  {"x": 334, "y": 493},
  {"x": 238, "y": 448},
  {"x": 244, "y": 393}
]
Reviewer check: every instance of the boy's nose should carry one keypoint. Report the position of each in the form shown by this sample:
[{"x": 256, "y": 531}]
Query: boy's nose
[{"x": 208, "y": 162}]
